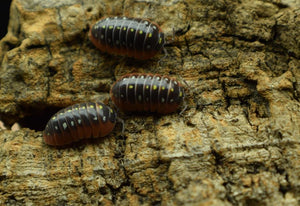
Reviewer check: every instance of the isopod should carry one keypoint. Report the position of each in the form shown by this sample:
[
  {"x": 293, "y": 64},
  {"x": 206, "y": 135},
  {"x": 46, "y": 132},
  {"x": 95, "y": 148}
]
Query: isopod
[
  {"x": 134, "y": 37},
  {"x": 79, "y": 121},
  {"x": 147, "y": 92}
]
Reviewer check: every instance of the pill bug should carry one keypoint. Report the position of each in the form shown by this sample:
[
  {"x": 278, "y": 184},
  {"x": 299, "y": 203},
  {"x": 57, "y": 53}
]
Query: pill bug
[
  {"x": 134, "y": 37},
  {"x": 148, "y": 93},
  {"x": 79, "y": 121}
]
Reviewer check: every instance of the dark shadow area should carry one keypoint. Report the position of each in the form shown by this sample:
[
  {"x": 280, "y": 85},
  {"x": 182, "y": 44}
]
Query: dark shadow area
[
  {"x": 38, "y": 120},
  {"x": 4, "y": 16}
]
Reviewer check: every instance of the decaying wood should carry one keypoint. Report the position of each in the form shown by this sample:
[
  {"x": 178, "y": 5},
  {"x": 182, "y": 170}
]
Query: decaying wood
[{"x": 236, "y": 144}]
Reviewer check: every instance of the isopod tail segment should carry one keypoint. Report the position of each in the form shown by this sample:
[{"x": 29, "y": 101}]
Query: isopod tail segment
[
  {"x": 133, "y": 37},
  {"x": 80, "y": 121},
  {"x": 142, "y": 92}
]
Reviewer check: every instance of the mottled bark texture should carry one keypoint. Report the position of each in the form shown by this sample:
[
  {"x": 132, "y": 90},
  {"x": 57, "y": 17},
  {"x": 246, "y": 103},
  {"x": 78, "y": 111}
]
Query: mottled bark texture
[{"x": 236, "y": 144}]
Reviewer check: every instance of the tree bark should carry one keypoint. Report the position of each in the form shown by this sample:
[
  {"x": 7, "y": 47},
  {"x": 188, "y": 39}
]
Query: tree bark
[{"x": 237, "y": 143}]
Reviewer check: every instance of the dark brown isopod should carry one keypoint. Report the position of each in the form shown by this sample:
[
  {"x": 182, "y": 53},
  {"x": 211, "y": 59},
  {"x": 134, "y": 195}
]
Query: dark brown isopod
[
  {"x": 134, "y": 37},
  {"x": 147, "y": 92},
  {"x": 79, "y": 121}
]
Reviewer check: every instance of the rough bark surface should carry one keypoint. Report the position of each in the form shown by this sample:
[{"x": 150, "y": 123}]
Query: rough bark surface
[{"x": 236, "y": 144}]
